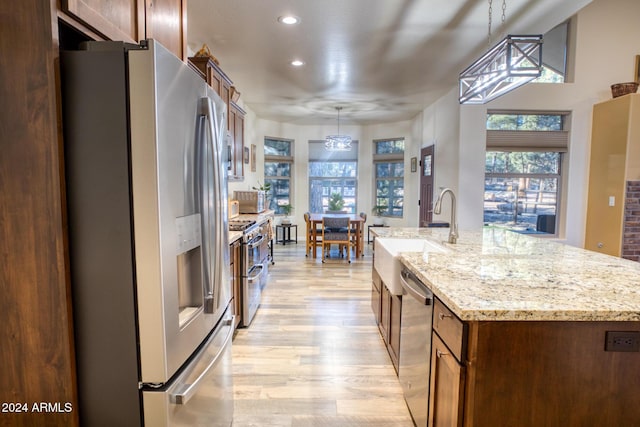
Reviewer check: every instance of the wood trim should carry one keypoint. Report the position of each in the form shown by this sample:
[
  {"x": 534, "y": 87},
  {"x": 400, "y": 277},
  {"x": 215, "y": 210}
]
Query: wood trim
[
  {"x": 94, "y": 19},
  {"x": 37, "y": 338},
  {"x": 74, "y": 23}
]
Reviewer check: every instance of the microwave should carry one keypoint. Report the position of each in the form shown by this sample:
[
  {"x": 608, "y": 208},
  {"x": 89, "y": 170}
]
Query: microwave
[{"x": 250, "y": 201}]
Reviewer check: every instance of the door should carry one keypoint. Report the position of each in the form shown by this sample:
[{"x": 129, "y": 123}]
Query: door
[
  {"x": 182, "y": 277},
  {"x": 202, "y": 393},
  {"x": 426, "y": 185},
  {"x": 446, "y": 389}
]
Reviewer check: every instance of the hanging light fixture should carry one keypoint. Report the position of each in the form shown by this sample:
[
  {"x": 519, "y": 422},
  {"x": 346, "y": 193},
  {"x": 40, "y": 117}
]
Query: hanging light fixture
[
  {"x": 338, "y": 142},
  {"x": 513, "y": 62}
]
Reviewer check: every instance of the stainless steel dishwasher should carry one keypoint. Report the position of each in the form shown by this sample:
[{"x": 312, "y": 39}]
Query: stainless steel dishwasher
[{"x": 415, "y": 345}]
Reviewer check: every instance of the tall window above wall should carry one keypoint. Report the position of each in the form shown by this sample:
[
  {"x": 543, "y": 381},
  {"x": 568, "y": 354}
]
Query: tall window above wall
[
  {"x": 278, "y": 171},
  {"x": 332, "y": 172},
  {"x": 388, "y": 160},
  {"x": 523, "y": 170},
  {"x": 555, "y": 55}
]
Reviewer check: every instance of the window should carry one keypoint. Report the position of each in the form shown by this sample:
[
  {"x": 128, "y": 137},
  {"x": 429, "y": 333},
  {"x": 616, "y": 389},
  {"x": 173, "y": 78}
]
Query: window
[
  {"x": 555, "y": 55},
  {"x": 278, "y": 167},
  {"x": 523, "y": 167},
  {"x": 330, "y": 173},
  {"x": 388, "y": 160}
]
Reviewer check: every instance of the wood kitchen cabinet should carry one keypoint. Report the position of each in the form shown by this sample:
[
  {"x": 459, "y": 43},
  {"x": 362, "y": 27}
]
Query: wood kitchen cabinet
[
  {"x": 214, "y": 75},
  {"x": 389, "y": 324},
  {"x": 447, "y": 372},
  {"x": 115, "y": 19},
  {"x": 236, "y": 279},
  {"x": 615, "y": 159},
  {"x": 166, "y": 22},
  {"x": 222, "y": 85},
  {"x": 236, "y": 130},
  {"x": 530, "y": 373},
  {"x": 134, "y": 20},
  {"x": 376, "y": 296}
]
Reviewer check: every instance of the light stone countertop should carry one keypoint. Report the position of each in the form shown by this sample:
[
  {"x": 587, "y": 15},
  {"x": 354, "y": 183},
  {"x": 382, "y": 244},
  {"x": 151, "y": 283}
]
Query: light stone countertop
[
  {"x": 234, "y": 235},
  {"x": 495, "y": 274}
]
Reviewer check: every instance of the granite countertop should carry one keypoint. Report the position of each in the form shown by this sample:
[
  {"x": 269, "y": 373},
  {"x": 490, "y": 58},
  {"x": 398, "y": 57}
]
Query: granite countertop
[
  {"x": 495, "y": 274},
  {"x": 234, "y": 235}
]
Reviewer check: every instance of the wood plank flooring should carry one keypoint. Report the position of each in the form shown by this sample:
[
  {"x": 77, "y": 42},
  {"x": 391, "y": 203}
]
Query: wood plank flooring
[{"x": 313, "y": 355}]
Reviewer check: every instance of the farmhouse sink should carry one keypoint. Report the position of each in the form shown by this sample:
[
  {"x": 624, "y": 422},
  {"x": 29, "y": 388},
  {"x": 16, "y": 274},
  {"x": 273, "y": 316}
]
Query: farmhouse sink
[{"x": 386, "y": 260}]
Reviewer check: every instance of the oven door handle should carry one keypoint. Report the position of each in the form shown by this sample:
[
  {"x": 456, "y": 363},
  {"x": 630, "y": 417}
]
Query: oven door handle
[
  {"x": 253, "y": 244},
  {"x": 257, "y": 277}
]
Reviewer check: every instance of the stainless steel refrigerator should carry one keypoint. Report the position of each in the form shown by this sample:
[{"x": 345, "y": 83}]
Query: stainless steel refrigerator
[{"x": 149, "y": 256}]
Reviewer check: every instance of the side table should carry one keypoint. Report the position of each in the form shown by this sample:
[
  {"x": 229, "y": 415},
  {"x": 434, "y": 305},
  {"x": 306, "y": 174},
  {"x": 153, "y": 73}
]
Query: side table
[
  {"x": 369, "y": 230},
  {"x": 286, "y": 233}
]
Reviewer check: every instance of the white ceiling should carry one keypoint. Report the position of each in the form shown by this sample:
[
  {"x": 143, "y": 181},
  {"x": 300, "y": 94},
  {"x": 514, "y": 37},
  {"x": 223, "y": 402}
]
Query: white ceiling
[{"x": 381, "y": 60}]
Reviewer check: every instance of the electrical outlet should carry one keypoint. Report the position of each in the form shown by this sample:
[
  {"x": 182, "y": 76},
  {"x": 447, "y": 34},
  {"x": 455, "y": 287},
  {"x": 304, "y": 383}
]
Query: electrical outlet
[{"x": 622, "y": 341}]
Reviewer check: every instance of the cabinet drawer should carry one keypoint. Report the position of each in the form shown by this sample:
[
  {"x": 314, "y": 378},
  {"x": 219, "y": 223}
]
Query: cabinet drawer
[{"x": 451, "y": 329}]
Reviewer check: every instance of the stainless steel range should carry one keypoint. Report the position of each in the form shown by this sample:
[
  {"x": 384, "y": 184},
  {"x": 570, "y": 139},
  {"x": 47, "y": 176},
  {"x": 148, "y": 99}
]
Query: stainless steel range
[
  {"x": 255, "y": 262},
  {"x": 240, "y": 224}
]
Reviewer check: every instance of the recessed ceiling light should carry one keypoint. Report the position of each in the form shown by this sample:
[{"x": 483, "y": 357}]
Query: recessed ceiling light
[
  {"x": 297, "y": 63},
  {"x": 289, "y": 19}
]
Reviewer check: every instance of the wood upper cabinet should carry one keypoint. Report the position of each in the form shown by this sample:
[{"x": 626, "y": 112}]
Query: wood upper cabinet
[
  {"x": 134, "y": 20},
  {"x": 166, "y": 22},
  {"x": 216, "y": 78},
  {"x": 615, "y": 159},
  {"x": 236, "y": 129},
  {"x": 222, "y": 84},
  {"x": 115, "y": 19}
]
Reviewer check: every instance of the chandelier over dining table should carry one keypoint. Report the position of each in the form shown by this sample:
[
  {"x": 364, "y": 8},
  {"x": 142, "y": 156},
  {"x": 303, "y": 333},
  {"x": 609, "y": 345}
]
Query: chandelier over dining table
[{"x": 338, "y": 142}]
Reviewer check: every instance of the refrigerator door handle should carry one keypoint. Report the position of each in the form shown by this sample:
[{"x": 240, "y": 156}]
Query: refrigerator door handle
[
  {"x": 186, "y": 391},
  {"x": 203, "y": 173},
  {"x": 214, "y": 231}
]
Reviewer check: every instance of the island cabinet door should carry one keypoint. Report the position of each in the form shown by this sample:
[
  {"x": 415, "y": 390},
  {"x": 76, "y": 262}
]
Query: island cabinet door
[
  {"x": 446, "y": 402},
  {"x": 376, "y": 296},
  {"x": 385, "y": 312}
]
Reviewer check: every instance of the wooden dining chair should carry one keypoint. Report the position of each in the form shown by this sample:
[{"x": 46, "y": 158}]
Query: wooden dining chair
[
  {"x": 360, "y": 236},
  {"x": 336, "y": 230},
  {"x": 314, "y": 240}
]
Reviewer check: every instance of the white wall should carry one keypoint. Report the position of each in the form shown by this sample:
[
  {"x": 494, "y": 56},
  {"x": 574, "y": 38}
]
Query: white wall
[{"x": 257, "y": 129}]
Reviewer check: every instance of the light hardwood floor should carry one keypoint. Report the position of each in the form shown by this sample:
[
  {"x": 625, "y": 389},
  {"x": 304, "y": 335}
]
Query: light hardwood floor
[{"x": 313, "y": 355}]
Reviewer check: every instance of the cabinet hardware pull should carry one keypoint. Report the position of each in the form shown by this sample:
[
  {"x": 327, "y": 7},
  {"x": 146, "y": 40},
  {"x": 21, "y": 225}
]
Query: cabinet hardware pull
[
  {"x": 441, "y": 353},
  {"x": 442, "y": 315}
]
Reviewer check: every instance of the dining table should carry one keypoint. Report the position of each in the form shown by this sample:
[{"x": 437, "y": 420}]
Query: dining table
[{"x": 357, "y": 221}]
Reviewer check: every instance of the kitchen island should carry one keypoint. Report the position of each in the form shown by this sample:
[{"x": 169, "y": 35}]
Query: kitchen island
[{"x": 528, "y": 331}]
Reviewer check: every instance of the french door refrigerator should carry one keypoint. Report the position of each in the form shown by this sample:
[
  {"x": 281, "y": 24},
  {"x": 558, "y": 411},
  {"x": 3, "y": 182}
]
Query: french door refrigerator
[{"x": 149, "y": 256}]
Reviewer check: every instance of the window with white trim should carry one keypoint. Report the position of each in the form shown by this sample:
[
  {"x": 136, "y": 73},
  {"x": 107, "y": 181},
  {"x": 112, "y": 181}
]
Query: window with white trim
[
  {"x": 388, "y": 160},
  {"x": 523, "y": 170},
  {"x": 278, "y": 168},
  {"x": 332, "y": 172}
]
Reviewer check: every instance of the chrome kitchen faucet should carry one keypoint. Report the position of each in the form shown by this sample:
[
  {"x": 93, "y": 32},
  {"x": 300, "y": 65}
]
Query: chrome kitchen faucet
[{"x": 453, "y": 226}]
